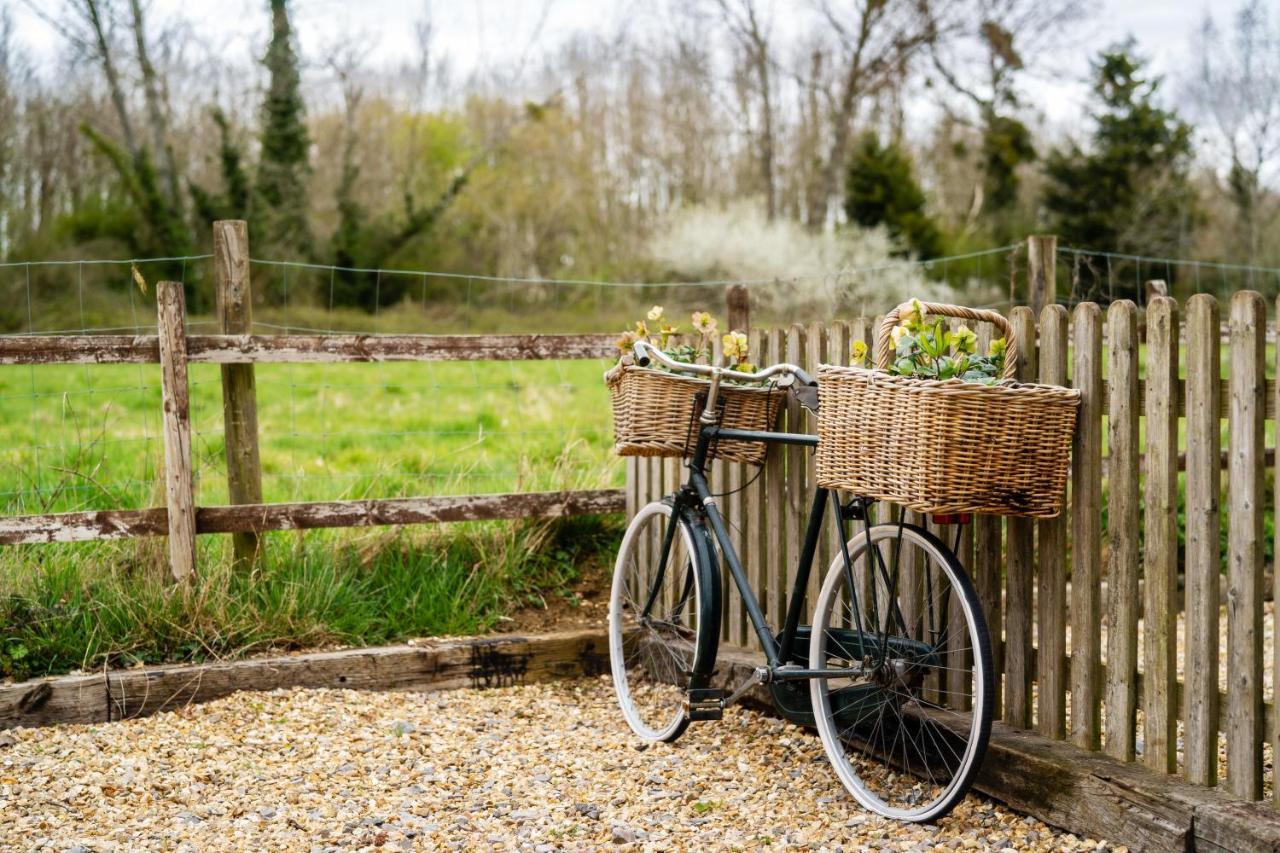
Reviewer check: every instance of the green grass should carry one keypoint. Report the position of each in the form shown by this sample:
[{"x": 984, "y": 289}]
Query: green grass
[
  {"x": 87, "y": 437},
  {"x": 68, "y": 607},
  {"x": 74, "y": 437}
]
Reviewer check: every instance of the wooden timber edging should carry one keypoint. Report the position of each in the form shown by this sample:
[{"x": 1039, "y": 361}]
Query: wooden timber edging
[
  {"x": 1086, "y": 793},
  {"x": 120, "y": 524},
  {"x": 475, "y": 662}
]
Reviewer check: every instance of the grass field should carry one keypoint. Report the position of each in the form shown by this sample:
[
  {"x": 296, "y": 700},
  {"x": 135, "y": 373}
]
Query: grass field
[
  {"x": 74, "y": 437},
  {"x": 88, "y": 438}
]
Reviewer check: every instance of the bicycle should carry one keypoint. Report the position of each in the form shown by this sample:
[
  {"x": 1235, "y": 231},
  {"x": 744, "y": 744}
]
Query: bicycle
[{"x": 896, "y": 659}]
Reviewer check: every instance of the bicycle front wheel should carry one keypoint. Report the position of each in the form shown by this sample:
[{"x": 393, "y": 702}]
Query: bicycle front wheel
[
  {"x": 657, "y": 610},
  {"x": 907, "y": 727}
]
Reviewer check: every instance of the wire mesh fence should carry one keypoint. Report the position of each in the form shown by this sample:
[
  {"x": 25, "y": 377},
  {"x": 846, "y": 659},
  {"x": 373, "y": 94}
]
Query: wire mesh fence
[{"x": 87, "y": 437}]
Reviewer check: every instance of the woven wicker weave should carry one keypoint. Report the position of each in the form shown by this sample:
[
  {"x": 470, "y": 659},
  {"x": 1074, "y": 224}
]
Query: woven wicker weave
[
  {"x": 945, "y": 446},
  {"x": 653, "y": 414}
]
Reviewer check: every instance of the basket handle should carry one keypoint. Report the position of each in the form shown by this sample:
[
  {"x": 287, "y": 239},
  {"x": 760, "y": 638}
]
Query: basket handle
[{"x": 977, "y": 315}]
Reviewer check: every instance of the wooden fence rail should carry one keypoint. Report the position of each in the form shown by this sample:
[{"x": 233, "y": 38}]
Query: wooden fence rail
[
  {"x": 1087, "y": 608},
  {"x": 237, "y": 351}
]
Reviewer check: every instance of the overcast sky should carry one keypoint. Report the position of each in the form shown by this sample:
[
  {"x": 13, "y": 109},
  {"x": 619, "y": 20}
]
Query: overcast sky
[{"x": 481, "y": 33}]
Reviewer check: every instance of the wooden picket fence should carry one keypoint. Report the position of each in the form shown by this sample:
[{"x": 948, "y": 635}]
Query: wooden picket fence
[{"x": 1087, "y": 646}]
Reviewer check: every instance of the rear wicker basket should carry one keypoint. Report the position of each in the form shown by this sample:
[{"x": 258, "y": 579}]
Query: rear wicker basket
[
  {"x": 945, "y": 446},
  {"x": 654, "y": 414}
]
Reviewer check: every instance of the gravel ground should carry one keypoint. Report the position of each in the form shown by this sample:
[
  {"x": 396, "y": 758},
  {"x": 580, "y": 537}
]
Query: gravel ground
[{"x": 544, "y": 767}]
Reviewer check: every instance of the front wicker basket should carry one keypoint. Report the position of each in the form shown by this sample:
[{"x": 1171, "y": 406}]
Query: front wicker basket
[
  {"x": 945, "y": 446},
  {"x": 655, "y": 414}
]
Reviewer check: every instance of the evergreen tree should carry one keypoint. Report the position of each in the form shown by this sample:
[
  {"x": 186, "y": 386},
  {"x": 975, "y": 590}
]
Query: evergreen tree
[
  {"x": 283, "y": 168},
  {"x": 1131, "y": 191},
  {"x": 881, "y": 189}
]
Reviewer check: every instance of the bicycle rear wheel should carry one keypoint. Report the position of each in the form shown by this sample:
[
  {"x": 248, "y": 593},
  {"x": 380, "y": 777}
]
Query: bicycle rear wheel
[
  {"x": 906, "y": 729},
  {"x": 663, "y": 622}
]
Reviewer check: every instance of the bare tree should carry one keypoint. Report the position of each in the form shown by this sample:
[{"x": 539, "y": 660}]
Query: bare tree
[
  {"x": 876, "y": 41},
  {"x": 157, "y": 113},
  {"x": 995, "y": 42},
  {"x": 750, "y": 33},
  {"x": 1236, "y": 88}
]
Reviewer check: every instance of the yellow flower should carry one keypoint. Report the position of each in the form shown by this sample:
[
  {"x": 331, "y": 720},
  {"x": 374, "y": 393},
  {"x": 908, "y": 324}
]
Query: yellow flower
[
  {"x": 964, "y": 340},
  {"x": 997, "y": 347},
  {"x": 858, "y": 353},
  {"x": 655, "y": 313},
  {"x": 667, "y": 327},
  {"x": 897, "y": 334},
  {"x": 735, "y": 345},
  {"x": 704, "y": 323},
  {"x": 641, "y": 329},
  {"x": 627, "y": 340},
  {"x": 745, "y": 367},
  {"x": 914, "y": 315}
]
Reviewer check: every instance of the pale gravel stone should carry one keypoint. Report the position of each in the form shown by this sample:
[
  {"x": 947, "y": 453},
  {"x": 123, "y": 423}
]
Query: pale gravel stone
[{"x": 343, "y": 770}]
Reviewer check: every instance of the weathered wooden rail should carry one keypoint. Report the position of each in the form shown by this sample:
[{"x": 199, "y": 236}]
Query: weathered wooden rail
[{"x": 236, "y": 351}]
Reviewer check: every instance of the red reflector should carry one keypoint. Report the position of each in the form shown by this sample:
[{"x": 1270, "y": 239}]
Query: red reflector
[{"x": 952, "y": 518}]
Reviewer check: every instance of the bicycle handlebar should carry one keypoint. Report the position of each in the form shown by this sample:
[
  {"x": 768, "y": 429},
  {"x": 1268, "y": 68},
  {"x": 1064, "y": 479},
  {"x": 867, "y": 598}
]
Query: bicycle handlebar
[{"x": 646, "y": 353}]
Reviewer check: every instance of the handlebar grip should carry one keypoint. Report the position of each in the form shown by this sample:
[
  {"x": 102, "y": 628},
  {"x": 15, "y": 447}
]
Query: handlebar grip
[
  {"x": 642, "y": 359},
  {"x": 804, "y": 378}
]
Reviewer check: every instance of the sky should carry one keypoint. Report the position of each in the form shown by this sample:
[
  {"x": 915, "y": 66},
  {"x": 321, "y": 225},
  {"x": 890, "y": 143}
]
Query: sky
[{"x": 481, "y": 33}]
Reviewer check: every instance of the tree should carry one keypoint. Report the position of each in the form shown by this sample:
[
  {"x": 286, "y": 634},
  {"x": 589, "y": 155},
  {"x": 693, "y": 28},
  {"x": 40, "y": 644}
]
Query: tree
[
  {"x": 876, "y": 42},
  {"x": 1236, "y": 90},
  {"x": 997, "y": 41},
  {"x": 1131, "y": 191},
  {"x": 283, "y": 165},
  {"x": 751, "y": 36},
  {"x": 881, "y": 189},
  {"x": 154, "y": 191}
]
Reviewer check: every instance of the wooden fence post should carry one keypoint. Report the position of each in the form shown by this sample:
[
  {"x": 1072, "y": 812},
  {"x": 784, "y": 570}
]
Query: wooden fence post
[
  {"x": 1086, "y": 530},
  {"x": 1042, "y": 271},
  {"x": 1204, "y": 549},
  {"x": 1019, "y": 575},
  {"x": 175, "y": 394},
  {"x": 1244, "y": 545},
  {"x": 738, "y": 304},
  {"x": 1160, "y": 531},
  {"x": 1051, "y": 606},
  {"x": 1122, "y": 530},
  {"x": 239, "y": 388}
]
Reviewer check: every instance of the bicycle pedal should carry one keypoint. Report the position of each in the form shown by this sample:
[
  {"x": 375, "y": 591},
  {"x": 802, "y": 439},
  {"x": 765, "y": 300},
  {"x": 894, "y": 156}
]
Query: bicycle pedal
[{"x": 704, "y": 704}]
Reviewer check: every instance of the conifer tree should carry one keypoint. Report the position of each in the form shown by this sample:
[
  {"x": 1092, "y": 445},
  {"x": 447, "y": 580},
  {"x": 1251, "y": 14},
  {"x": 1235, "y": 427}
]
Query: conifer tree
[{"x": 283, "y": 167}]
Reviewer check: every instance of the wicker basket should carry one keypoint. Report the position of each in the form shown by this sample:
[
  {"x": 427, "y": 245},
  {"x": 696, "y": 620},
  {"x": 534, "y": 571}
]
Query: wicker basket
[
  {"x": 945, "y": 446},
  {"x": 654, "y": 414}
]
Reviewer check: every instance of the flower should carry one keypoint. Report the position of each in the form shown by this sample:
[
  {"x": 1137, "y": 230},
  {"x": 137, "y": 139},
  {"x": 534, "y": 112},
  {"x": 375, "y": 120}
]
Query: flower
[
  {"x": 858, "y": 353},
  {"x": 745, "y": 367},
  {"x": 963, "y": 339},
  {"x": 914, "y": 315},
  {"x": 897, "y": 334},
  {"x": 997, "y": 348},
  {"x": 627, "y": 340},
  {"x": 704, "y": 323},
  {"x": 735, "y": 345},
  {"x": 655, "y": 313},
  {"x": 668, "y": 328},
  {"x": 641, "y": 329}
]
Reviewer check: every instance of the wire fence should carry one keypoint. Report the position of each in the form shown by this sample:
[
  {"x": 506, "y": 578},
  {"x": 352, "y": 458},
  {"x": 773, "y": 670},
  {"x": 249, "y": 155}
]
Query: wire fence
[
  {"x": 1090, "y": 275},
  {"x": 87, "y": 437}
]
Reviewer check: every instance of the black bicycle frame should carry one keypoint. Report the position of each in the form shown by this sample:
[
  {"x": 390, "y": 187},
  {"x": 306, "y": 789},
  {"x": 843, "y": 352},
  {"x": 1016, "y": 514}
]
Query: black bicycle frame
[{"x": 777, "y": 651}]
